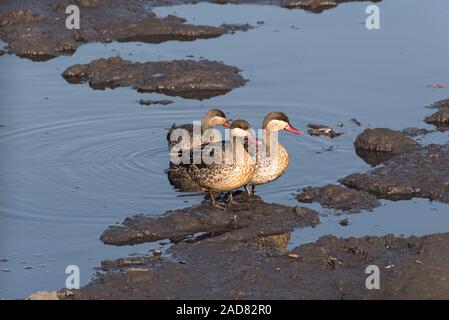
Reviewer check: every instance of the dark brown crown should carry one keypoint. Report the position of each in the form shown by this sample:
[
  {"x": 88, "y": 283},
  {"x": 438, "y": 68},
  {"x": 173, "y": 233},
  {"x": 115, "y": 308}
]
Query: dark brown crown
[
  {"x": 216, "y": 113},
  {"x": 274, "y": 116},
  {"x": 239, "y": 123}
]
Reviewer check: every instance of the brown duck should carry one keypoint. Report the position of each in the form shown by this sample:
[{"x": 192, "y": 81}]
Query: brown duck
[
  {"x": 272, "y": 160},
  {"x": 232, "y": 168},
  {"x": 212, "y": 118},
  {"x": 177, "y": 175}
]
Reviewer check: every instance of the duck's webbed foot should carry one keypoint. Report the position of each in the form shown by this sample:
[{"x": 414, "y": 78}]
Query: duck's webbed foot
[
  {"x": 248, "y": 194},
  {"x": 213, "y": 202},
  {"x": 230, "y": 200}
]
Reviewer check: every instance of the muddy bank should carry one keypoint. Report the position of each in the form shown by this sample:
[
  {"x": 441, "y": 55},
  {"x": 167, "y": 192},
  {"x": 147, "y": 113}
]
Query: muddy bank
[
  {"x": 244, "y": 221},
  {"x": 339, "y": 198},
  {"x": 185, "y": 78},
  {"x": 36, "y": 29},
  {"x": 421, "y": 172},
  {"x": 331, "y": 268}
]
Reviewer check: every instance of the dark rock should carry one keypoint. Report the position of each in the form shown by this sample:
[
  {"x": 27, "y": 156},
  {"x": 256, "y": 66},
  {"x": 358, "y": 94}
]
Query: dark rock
[
  {"x": 340, "y": 198},
  {"x": 378, "y": 145},
  {"x": 421, "y": 172},
  {"x": 185, "y": 78},
  {"x": 384, "y": 140}
]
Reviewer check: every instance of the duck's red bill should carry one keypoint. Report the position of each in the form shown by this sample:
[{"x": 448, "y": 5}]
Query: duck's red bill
[
  {"x": 227, "y": 124},
  {"x": 293, "y": 130}
]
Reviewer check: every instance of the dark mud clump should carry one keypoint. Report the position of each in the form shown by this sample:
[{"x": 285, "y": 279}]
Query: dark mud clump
[
  {"x": 149, "y": 102},
  {"x": 240, "y": 222},
  {"x": 36, "y": 29},
  {"x": 339, "y": 198},
  {"x": 330, "y": 268},
  {"x": 421, "y": 172},
  {"x": 440, "y": 118},
  {"x": 185, "y": 78},
  {"x": 233, "y": 28},
  {"x": 378, "y": 145},
  {"x": 322, "y": 130},
  {"x": 316, "y": 6}
]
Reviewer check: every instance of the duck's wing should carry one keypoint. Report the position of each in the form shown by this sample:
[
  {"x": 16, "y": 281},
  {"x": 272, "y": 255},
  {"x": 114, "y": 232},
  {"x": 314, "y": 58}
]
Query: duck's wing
[
  {"x": 198, "y": 156},
  {"x": 188, "y": 127}
]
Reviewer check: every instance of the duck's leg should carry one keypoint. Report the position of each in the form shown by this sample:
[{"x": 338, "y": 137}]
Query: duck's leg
[
  {"x": 230, "y": 200},
  {"x": 253, "y": 189},
  {"x": 247, "y": 191},
  {"x": 212, "y": 201}
]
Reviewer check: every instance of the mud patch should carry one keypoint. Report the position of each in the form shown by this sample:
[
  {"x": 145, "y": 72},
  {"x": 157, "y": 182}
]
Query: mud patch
[
  {"x": 421, "y": 172},
  {"x": 36, "y": 29},
  {"x": 240, "y": 222},
  {"x": 330, "y": 268},
  {"x": 339, "y": 198},
  {"x": 185, "y": 78}
]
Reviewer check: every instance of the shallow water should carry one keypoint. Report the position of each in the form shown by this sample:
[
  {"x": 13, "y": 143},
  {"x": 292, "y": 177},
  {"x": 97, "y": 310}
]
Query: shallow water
[{"x": 75, "y": 160}]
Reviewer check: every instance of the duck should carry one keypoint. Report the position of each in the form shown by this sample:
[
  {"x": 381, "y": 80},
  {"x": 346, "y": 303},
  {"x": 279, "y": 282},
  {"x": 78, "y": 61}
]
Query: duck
[
  {"x": 232, "y": 166},
  {"x": 271, "y": 157},
  {"x": 177, "y": 175},
  {"x": 211, "y": 119}
]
